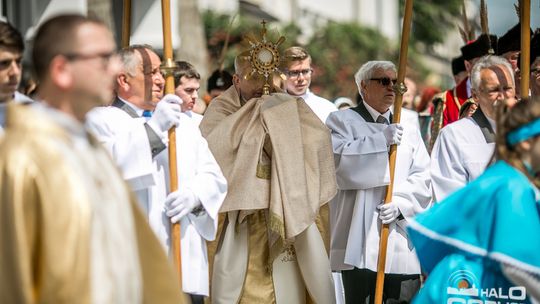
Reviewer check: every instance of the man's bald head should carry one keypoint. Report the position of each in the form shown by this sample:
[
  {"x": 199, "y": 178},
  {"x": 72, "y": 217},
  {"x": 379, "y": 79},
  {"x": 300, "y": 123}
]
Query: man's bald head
[{"x": 248, "y": 85}]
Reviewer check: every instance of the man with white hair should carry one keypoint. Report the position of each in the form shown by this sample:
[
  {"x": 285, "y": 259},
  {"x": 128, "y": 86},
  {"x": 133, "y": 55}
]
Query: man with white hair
[
  {"x": 361, "y": 138},
  {"x": 464, "y": 149},
  {"x": 134, "y": 131}
]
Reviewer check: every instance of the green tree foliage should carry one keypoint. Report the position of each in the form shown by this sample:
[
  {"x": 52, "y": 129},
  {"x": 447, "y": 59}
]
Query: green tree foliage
[
  {"x": 338, "y": 50},
  {"x": 216, "y": 30},
  {"x": 218, "y": 25},
  {"x": 432, "y": 19}
]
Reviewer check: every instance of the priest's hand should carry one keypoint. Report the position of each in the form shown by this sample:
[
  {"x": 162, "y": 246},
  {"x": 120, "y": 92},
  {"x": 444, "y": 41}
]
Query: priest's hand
[
  {"x": 180, "y": 203},
  {"x": 166, "y": 114},
  {"x": 393, "y": 134},
  {"x": 388, "y": 212}
]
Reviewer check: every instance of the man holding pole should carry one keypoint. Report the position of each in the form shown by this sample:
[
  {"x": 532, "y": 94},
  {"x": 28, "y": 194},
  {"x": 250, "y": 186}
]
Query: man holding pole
[
  {"x": 361, "y": 138},
  {"x": 134, "y": 130}
]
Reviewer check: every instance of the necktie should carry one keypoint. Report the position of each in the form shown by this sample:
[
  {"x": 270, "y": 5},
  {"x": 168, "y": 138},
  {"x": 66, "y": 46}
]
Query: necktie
[
  {"x": 147, "y": 113},
  {"x": 382, "y": 120}
]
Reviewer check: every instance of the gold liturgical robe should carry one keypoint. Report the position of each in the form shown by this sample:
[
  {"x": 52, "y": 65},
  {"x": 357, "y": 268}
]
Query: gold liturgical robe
[
  {"x": 277, "y": 158},
  {"x": 71, "y": 232}
]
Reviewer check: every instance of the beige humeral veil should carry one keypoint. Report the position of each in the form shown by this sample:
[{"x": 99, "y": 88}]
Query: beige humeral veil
[{"x": 277, "y": 158}]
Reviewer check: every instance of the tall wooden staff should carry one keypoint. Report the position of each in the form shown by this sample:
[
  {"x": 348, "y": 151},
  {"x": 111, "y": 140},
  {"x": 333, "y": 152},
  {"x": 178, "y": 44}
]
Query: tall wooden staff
[
  {"x": 525, "y": 17},
  {"x": 126, "y": 23},
  {"x": 484, "y": 24},
  {"x": 400, "y": 89},
  {"x": 168, "y": 68}
]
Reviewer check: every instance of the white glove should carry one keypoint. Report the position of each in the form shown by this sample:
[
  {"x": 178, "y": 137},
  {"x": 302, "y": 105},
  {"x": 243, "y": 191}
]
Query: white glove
[
  {"x": 388, "y": 212},
  {"x": 393, "y": 133},
  {"x": 179, "y": 203},
  {"x": 166, "y": 114}
]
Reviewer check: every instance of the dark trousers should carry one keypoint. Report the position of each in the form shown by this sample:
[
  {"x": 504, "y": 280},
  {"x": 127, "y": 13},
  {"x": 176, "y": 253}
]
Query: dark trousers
[
  {"x": 196, "y": 299},
  {"x": 359, "y": 286}
]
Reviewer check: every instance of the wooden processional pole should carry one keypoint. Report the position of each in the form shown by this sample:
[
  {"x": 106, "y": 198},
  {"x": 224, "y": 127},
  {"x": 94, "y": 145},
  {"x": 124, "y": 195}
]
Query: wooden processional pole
[
  {"x": 168, "y": 68},
  {"x": 525, "y": 66},
  {"x": 126, "y": 23},
  {"x": 400, "y": 90}
]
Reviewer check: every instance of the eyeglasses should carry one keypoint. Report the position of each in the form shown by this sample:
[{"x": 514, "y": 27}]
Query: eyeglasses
[
  {"x": 297, "y": 73},
  {"x": 385, "y": 81},
  {"x": 535, "y": 71},
  {"x": 104, "y": 57}
]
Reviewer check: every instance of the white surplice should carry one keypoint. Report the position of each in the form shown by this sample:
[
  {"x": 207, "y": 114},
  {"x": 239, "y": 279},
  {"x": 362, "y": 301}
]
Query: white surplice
[
  {"x": 320, "y": 106},
  {"x": 126, "y": 139},
  {"x": 362, "y": 170},
  {"x": 460, "y": 155}
]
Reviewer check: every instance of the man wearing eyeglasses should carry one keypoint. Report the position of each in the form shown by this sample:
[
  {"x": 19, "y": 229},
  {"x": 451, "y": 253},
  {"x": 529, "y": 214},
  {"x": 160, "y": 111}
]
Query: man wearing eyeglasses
[
  {"x": 71, "y": 230},
  {"x": 11, "y": 53},
  {"x": 297, "y": 68},
  {"x": 134, "y": 129},
  {"x": 463, "y": 149},
  {"x": 135, "y": 132},
  {"x": 361, "y": 138}
]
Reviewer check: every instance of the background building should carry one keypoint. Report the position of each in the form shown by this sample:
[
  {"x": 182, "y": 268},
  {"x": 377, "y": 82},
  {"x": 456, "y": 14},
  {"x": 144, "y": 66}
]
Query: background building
[{"x": 188, "y": 32}]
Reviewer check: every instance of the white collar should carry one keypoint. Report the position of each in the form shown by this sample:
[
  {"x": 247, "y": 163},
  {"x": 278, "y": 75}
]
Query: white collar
[
  {"x": 306, "y": 94},
  {"x": 493, "y": 123},
  {"x": 137, "y": 110},
  {"x": 303, "y": 96},
  {"x": 375, "y": 114}
]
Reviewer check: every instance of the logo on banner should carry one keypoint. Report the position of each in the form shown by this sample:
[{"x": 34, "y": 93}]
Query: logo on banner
[
  {"x": 464, "y": 283},
  {"x": 464, "y": 288}
]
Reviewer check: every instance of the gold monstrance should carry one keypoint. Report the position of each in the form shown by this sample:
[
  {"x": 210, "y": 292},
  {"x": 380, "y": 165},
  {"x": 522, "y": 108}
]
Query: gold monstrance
[{"x": 264, "y": 57}]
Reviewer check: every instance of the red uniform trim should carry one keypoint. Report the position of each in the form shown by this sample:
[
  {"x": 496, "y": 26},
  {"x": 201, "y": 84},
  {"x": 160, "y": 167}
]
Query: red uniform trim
[{"x": 453, "y": 101}]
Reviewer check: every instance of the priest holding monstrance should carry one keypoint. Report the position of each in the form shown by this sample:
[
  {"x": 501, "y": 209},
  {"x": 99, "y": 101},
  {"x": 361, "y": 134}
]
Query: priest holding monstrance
[{"x": 277, "y": 158}]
